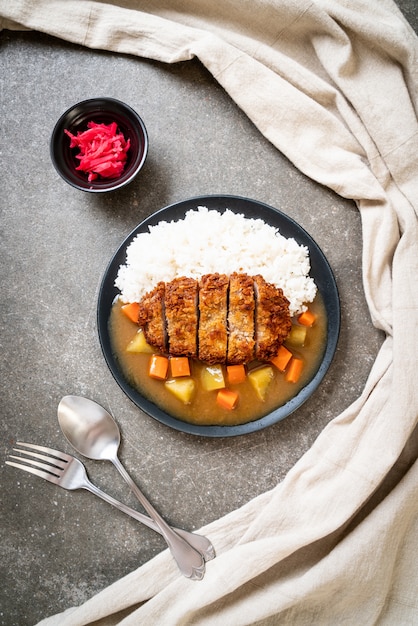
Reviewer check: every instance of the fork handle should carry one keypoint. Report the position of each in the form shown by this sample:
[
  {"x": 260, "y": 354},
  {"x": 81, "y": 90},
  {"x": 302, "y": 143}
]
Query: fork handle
[
  {"x": 189, "y": 561},
  {"x": 198, "y": 542}
]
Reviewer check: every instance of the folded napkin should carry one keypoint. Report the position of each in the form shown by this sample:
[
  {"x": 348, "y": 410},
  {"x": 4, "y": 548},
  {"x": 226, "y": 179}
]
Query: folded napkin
[{"x": 333, "y": 85}]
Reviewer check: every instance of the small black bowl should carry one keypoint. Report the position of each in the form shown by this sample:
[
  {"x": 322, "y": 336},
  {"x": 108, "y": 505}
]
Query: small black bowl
[{"x": 100, "y": 111}]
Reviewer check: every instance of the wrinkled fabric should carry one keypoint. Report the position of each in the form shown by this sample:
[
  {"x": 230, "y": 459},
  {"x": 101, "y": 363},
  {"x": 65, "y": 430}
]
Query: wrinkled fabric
[{"x": 333, "y": 85}]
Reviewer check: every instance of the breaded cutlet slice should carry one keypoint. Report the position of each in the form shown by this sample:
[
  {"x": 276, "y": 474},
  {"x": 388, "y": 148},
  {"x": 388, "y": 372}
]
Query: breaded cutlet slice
[
  {"x": 272, "y": 319},
  {"x": 152, "y": 317},
  {"x": 181, "y": 313},
  {"x": 213, "y": 309},
  {"x": 241, "y": 309}
]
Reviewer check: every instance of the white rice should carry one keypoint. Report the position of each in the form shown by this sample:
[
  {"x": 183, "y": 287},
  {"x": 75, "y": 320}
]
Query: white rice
[{"x": 207, "y": 241}]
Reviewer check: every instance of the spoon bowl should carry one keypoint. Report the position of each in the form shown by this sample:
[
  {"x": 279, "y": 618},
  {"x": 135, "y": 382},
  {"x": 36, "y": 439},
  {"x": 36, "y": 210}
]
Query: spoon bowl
[{"x": 89, "y": 428}]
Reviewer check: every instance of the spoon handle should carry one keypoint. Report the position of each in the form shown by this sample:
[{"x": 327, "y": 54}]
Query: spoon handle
[
  {"x": 189, "y": 561},
  {"x": 198, "y": 542}
]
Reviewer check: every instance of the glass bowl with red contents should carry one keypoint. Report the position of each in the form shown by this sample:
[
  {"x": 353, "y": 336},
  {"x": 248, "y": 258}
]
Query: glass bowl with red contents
[{"x": 99, "y": 145}]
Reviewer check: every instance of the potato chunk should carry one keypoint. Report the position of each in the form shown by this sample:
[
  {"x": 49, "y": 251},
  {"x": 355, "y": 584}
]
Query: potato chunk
[
  {"x": 260, "y": 379},
  {"x": 139, "y": 344},
  {"x": 182, "y": 388},
  {"x": 297, "y": 336},
  {"x": 213, "y": 378}
]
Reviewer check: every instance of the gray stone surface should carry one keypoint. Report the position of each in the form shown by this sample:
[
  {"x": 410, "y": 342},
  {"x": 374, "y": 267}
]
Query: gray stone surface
[{"x": 59, "y": 548}]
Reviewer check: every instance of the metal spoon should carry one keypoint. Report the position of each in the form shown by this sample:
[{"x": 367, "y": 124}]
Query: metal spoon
[{"x": 93, "y": 432}]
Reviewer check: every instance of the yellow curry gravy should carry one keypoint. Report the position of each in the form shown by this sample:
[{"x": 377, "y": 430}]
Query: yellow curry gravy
[{"x": 204, "y": 410}]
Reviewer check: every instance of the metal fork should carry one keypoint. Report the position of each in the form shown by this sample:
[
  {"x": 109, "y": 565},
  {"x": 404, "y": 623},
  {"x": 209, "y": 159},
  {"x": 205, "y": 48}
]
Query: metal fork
[{"x": 68, "y": 472}]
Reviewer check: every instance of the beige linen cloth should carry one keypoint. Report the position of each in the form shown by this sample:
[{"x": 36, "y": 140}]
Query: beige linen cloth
[{"x": 333, "y": 85}]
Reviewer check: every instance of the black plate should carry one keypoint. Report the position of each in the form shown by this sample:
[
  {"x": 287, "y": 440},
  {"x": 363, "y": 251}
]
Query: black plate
[{"x": 320, "y": 272}]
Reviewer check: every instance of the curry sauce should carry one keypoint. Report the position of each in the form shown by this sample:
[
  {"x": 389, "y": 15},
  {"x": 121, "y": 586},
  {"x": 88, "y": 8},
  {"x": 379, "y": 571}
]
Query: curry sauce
[{"x": 203, "y": 409}]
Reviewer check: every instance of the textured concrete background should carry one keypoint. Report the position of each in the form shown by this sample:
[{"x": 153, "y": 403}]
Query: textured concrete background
[{"x": 59, "y": 548}]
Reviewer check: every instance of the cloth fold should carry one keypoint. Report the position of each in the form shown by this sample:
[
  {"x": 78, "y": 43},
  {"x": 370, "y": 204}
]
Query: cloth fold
[{"x": 333, "y": 85}]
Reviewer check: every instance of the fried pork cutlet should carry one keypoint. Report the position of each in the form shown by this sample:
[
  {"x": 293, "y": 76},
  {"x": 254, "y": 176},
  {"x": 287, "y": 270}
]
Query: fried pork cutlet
[
  {"x": 217, "y": 319},
  {"x": 152, "y": 317},
  {"x": 240, "y": 319},
  {"x": 213, "y": 309},
  {"x": 272, "y": 319},
  {"x": 181, "y": 312}
]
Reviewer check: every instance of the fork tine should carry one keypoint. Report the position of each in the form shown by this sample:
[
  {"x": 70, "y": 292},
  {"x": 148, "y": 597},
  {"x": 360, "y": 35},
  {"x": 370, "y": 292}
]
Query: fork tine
[
  {"x": 32, "y": 470},
  {"x": 54, "y": 470},
  {"x": 62, "y": 456},
  {"x": 51, "y": 461}
]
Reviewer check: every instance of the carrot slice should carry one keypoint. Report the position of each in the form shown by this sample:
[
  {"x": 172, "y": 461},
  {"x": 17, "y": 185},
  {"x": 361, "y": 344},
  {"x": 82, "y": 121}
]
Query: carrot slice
[
  {"x": 227, "y": 398},
  {"x": 158, "y": 367},
  {"x": 307, "y": 318},
  {"x": 236, "y": 374},
  {"x": 294, "y": 370},
  {"x": 180, "y": 366},
  {"x": 132, "y": 311},
  {"x": 282, "y": 358}
]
